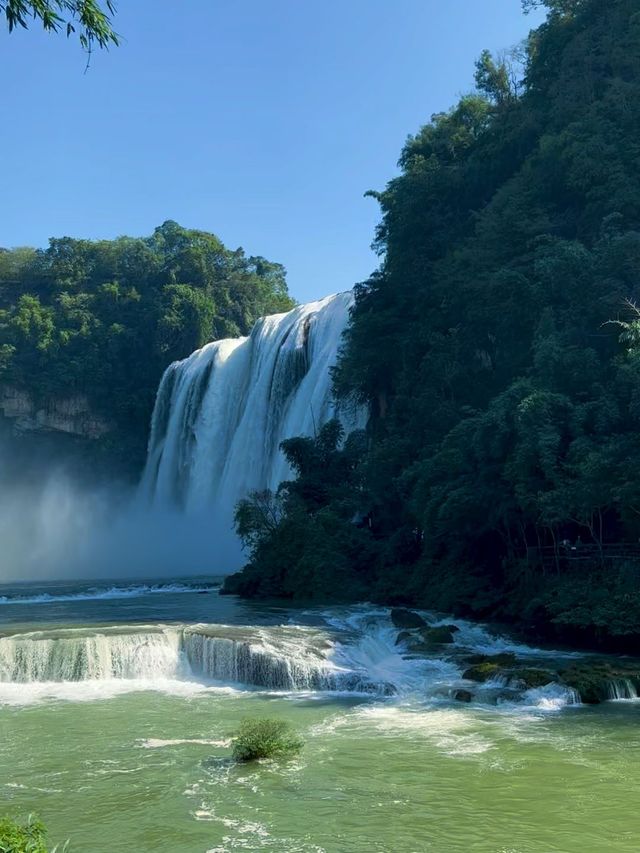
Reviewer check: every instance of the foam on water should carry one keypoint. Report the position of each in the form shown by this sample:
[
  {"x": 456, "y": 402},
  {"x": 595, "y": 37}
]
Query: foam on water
[
  {"x": 95, "y": 663},
  {"x": 355, "y": 654},
  {"x": 107, "y": 593},
  {"x": 94, "y": 691},
  {"x": 481, "y": 640},
  {"x": 158, "y": 743},
  {"x": 551, "y": 697}
]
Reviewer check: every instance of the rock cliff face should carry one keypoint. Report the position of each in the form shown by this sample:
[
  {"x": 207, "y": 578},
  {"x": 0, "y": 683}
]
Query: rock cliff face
[{"x": 68, "y": 415}]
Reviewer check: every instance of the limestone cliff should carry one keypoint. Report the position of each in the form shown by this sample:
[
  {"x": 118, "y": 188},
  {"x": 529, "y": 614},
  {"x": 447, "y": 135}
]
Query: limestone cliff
[{"x": 69, "y": 415}]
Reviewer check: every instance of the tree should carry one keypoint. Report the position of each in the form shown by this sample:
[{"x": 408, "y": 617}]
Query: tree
[
  {"x": 497, "y": 78},
  {"x": 505, "y": 408},
  {"x": 105, "y": 318},
  {"x": 555, "y": 7},
  {"x": 90, "y": 19}
]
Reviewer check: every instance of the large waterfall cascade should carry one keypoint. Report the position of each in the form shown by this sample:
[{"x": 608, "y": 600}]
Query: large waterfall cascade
[{"x": 221, "y": 414}]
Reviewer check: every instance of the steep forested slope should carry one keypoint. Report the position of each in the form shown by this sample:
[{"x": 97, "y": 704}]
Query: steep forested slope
[{"x": 505, "y": 405}]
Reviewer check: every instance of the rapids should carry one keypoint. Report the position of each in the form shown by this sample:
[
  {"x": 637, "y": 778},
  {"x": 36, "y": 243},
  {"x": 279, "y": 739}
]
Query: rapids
[
  {"x": 351, "y": 650},
  {"x": 115, "y": 728}
]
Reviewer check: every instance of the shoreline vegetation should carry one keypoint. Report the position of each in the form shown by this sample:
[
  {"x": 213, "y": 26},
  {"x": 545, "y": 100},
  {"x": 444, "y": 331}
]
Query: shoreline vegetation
[{"x": 498, "y": 349}]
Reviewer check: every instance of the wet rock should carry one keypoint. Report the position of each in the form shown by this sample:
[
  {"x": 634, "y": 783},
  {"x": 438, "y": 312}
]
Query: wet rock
[
  {"x": 501, "y": 659},
  {"x": 419, "y": 648},
  {"x": 524, "y": 678},
  {"x": 593, "y": 680},
  {"x": 463, "y": 696},
  {"x": 482, "y": 672},
  {"x": 404, "y": 637},
  {"x": 501, "y": 695},
  {"x": 529, "y": 677},
  {"x": 590, "y": 684},
  {"x": 438, "y": 635},
  {"x": 403, "y": 618},
  {"x": 507, "y": 695}
]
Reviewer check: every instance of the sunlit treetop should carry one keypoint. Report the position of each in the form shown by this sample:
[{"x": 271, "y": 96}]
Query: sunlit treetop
[{"x": 555, "y": 7}]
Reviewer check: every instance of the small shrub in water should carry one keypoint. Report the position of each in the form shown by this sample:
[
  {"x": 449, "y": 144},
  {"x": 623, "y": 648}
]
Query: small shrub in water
[
  {"x": 264, "y": 738},
  {"x": 29, "y": 837}
]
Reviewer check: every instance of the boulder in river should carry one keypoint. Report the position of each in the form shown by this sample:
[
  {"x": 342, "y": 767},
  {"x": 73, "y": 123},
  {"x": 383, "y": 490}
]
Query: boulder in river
[
  {"x": 439, "y": 634},
  {"x": 531, "y": 677},
  {"x": 463, "y": 696},
  {"x": 501, "y": 659},
  {"x": 404, "y": 637},
  {"x": 482, "y": 672},
  {"x": 403, "y": 618}
]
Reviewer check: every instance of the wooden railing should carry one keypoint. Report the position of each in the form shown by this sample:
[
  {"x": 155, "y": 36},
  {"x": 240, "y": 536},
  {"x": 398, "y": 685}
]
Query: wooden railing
[{"x": 577, "y": 555}]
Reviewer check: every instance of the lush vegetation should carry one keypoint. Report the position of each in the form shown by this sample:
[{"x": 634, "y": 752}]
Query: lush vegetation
[
  {"x": 88, "y": 19},
  {"x": 105, "y": 318},
  {"x": 265, "y": 738},
  {"x": 499, "y": 350},
  {"x": 29, "y": 837}
]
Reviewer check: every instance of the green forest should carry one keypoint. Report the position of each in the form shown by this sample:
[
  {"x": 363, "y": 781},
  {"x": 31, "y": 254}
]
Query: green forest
[
  {"x": 498, "y": 348},
  {"x": 104, "y": 319}
]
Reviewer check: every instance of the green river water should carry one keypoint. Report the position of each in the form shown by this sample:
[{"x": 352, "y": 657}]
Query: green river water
[{"x": 118, "y": 765}]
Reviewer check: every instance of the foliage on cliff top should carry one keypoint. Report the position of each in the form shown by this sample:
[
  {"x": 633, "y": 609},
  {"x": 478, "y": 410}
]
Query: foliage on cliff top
[{"x": 104, "y": 318}]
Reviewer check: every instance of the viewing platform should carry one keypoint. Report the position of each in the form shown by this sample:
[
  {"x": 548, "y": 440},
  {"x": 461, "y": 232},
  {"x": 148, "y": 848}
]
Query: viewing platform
[{"x": 581, "y": 555}]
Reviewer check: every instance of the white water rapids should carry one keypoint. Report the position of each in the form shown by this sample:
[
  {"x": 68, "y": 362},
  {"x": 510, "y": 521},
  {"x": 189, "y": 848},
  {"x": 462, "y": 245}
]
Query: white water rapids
[{"x": 354, "y": 653}]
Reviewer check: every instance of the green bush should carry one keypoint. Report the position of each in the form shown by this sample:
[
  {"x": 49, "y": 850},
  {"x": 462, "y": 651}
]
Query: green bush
[
  {"x": 22, "y": 838},
  {"x": 265, "y": 738}
]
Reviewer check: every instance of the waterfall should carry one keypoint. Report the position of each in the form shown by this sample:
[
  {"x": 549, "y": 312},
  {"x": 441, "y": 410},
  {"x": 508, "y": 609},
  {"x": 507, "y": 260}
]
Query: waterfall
[
  {"x": 74, "y": 656},
  {"x": 621, "y": 688},
  {"x": 279, "y": 658},
  {"x": 221, "y": 414}
]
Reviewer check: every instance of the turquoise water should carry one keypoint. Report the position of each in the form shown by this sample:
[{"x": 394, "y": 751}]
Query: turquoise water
[{"x": 141, "y": 761}]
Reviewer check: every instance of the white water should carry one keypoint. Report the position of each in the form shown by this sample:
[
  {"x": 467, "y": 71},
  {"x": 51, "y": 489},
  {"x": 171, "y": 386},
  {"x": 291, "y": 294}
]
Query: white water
[
  {"x": 622, "y": 688},
  {"x": 282, "y": 658},
  {"x": 221, "y": 414},
  {"x": 355, "y": 653},
  {"x": 105, "y": 593}
]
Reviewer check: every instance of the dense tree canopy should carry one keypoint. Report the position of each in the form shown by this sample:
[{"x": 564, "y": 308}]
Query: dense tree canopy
[
  {"x": 104, "y": 318},
  {"x": 505, "y": 405}
]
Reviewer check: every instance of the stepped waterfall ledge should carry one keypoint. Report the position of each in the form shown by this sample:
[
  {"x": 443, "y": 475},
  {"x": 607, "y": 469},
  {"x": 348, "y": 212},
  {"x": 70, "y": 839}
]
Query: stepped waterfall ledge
[{"x": 221, "y": 414}]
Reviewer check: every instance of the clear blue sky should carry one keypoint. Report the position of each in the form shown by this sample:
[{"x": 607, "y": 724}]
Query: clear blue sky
[{"x": 263, "y": 121}]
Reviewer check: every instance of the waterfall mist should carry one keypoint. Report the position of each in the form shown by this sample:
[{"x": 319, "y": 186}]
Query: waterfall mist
[
  {"x": 56, "y": 528},
  {"x": 218, "y": 422}
]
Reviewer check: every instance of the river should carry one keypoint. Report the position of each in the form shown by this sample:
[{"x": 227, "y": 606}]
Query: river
[{"x": 117, "y": 703}]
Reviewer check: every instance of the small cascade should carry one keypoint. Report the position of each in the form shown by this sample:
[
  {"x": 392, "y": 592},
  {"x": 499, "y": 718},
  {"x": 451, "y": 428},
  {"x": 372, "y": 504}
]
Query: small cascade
[
  {"x": 247, "y": 661},
  {"x": 279, "y": 658},
  {"x": 621, "y": 688},
  {"x": 552, "y": 696},
  {"x": 72, "y": 656}
]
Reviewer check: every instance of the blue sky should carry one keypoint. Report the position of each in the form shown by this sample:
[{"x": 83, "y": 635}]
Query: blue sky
[{"x": 264, "y": 121}]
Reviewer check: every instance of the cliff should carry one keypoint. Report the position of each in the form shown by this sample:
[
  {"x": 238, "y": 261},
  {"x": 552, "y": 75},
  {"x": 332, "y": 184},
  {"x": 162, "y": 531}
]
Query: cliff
[{"x": 71, "y": 415}]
